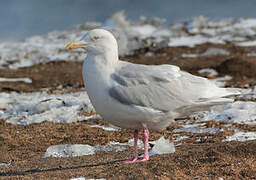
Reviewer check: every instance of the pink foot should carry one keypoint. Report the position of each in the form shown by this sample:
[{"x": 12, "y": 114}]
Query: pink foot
[
  {"x": 133, "y": 160},
  {"x": 135, "y": 156},
  {"x": 143, "y": 159},
  {"x": 146, "y": 156}
]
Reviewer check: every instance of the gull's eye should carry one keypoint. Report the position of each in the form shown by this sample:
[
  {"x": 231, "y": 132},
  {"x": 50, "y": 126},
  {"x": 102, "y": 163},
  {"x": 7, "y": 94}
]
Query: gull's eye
[{"x": 94, "y": 38}]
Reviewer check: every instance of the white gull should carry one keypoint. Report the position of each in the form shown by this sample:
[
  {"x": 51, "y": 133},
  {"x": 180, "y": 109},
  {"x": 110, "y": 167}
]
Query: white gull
[{"x": 139, "y": 96}]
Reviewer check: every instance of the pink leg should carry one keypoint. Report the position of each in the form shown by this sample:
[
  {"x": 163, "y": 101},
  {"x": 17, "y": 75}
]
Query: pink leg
[
  {"x": 135, "y": 156},
  {"x": 146, "y": 135}
]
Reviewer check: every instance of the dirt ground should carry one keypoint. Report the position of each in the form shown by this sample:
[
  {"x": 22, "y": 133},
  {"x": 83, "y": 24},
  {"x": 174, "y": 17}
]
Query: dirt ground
[{"x": 201, "y": 156}]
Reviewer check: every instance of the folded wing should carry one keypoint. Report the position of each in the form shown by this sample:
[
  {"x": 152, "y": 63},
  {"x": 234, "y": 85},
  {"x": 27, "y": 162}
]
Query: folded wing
[{"x": 165, "y": 88}]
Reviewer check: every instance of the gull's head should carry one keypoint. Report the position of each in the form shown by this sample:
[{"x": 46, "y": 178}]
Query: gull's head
[{"x": 96, "y": 41}]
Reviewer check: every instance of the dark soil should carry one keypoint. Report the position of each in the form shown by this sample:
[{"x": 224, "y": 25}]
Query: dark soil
[{"x": 24, "y": 147}]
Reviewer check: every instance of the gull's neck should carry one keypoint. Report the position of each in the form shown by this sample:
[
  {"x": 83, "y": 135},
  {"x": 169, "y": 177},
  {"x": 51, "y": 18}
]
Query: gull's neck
[{"x": 103, "y": 60}]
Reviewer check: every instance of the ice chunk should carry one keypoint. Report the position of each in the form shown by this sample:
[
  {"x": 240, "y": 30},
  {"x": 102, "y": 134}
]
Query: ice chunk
[
  {"x": 68, "y": 150},
  {"x": 163, "y": 146}
]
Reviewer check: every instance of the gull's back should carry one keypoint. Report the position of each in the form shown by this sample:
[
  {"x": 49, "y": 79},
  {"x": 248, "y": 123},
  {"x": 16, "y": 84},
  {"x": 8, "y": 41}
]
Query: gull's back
[{"x": 166, "y": 88}]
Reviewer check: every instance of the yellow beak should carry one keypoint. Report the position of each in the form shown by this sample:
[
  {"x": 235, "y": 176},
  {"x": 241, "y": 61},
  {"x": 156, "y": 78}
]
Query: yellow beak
[{"x": 75, "y": 45}]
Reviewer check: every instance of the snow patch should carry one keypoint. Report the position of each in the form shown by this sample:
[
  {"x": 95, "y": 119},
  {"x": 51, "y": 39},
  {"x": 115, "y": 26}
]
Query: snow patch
[
  {"x": 198, "y": 130},
  {"x": 68, "y": 150},
  {"x": 130, "y": 35},
  {"x": 28, "y": 108},
  {"x": 241, "y": 136},
  {"x": 25, "y": 80},
  {"x": 215, "y": 51},
  {"x": 161, "y": 146},
  {"x": 208, "y": 52},
  {"x": 210, "y": 71},
  {"x": 237, "y": 112},
  {"x": 247, "y": 43},
  {"x": 192, "y": 41},
  {"x": 72, "y": 150},
  {"x": 106, "y": 128},
  {"x": 5, "y": 163},
  {"x": 190, "y": 55},
  {"x": 181, "y": 138}
]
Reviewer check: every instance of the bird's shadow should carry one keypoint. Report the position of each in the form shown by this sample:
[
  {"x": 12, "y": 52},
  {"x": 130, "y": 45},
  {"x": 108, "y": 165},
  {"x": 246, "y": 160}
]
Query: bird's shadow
[{"x": 32, "y": 171}]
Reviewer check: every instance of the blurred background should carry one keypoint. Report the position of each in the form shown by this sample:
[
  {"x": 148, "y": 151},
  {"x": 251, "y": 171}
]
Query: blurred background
[{"x": 23, "y": 18}]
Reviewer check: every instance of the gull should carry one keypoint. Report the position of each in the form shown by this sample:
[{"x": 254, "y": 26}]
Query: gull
[{"x": 141, "y": 97}]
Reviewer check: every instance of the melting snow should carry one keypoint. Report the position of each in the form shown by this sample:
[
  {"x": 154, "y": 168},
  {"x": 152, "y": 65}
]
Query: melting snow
[
  {"x": 72, "y": 150},
  {"x": 68, "y": 150},
  {"x": 180, "y": 138},
  {"x": 237, "y": 112},
  {"x": 131, "y": 35},
  {"x": 253, "y": 53},
  {"x": 26, "y": 80},
  {"x": 241, "y": 136},
  {"x": 190, "y": 55},
  {"x": 106, "y": 128},
  {"x": 247, "y": 43},
  {"x": 210, "y": 71},
  {"x": 208, "y": 52},
  {"x": 5, "y": 163},
  {"x": 192, "y": 41},
  {"x": 198, "y": 130},
  {"x": 161, "y": 146},
  {"x": 215, "y": 51},
  {"x": 27, "y": 108}
]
